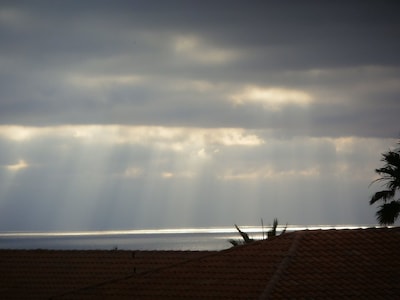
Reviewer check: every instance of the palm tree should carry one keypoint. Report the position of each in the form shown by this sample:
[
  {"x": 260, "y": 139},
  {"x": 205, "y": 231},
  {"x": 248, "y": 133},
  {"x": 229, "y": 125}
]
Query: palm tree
[
  {"x": 389, "y": 211},
  {"x": 248, "y": 240}
]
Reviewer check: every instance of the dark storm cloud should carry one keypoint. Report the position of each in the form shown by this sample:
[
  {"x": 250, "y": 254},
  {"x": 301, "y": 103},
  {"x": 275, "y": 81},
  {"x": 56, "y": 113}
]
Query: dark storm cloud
[
  {"x": 327, "y": 34},
  {"x": 266, "y": 43}
]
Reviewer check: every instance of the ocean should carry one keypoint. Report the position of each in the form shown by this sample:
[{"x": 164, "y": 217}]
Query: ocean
[{"x": 154, "y": 239}]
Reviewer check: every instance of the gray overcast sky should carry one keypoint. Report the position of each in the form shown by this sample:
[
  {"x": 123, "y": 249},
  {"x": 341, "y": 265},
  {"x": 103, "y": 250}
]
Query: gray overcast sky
[{"x": 155, "y": 114}]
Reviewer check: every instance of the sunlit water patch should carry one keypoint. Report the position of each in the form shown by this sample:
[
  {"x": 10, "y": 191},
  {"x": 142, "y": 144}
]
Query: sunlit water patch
[{"x": 154, "y": 239}]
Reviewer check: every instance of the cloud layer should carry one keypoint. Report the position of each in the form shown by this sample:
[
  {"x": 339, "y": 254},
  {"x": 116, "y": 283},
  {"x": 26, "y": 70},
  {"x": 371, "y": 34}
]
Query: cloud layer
[{"x": 117, "y": 114}]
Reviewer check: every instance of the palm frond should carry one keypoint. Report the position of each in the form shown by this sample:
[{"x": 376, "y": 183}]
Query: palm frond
[
  {"x": 392, "y": 157},
  {"x": 284, "y": 229},
  {"x": 382, "y": 195},
  {"x": 388, "y": 212},
  {"x": 272, "y": 232},
  {"x": 244, "y": 235},
  {"x": 235, "y": 242}
]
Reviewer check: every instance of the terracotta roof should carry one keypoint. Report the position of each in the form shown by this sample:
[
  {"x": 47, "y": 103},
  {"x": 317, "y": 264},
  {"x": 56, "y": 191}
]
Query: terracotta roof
[
  {"x": 41, "y": 274},
  {"x": 332, "y": 264},
  {"x": 342, "y": 264}
]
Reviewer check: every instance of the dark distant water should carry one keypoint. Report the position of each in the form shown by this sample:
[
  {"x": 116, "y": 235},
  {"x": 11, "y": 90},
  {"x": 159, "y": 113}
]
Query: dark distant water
[{"x": 161, "y": 239}]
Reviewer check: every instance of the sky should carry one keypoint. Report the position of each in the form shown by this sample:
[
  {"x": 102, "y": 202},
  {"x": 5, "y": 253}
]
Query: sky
[{"x": 178, "y": 114}]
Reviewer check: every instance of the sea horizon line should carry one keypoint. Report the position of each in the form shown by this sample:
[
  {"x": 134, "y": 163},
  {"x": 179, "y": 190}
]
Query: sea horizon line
[{"x": 189, "y": 230}]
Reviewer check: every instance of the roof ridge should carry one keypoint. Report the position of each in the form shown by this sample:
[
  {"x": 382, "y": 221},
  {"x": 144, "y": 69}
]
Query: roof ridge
[{"x": 282, "y": 266}]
